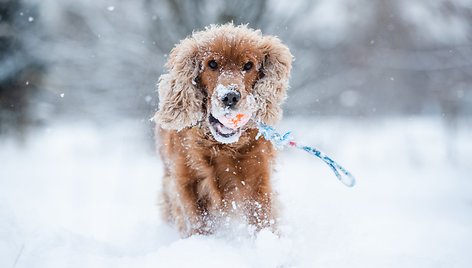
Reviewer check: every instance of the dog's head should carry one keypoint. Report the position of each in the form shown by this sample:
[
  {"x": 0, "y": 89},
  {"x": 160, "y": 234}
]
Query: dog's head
[{"x": 224, "y": 77}]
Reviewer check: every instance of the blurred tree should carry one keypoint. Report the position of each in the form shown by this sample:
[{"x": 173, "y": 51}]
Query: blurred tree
[
  {"x": 19, "y": 71},
  {"x": 358, "y": 57},
  {"x": 175, "y": 19},
  {"x": 353, "y": 57}
]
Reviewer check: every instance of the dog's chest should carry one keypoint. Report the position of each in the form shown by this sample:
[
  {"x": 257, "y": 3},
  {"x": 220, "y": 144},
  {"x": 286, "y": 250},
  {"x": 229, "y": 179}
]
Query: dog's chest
[{"x": 235, "y": 175}]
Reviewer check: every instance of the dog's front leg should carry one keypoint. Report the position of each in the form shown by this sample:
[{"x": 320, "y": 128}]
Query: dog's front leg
[
  {"x": 193, "y": 214},
  {"x": 261, "y": 214}
]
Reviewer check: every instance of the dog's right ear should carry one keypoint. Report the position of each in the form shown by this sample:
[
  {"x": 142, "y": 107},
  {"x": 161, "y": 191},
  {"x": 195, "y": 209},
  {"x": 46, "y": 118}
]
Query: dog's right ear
[{"x": 180, "y": 101}]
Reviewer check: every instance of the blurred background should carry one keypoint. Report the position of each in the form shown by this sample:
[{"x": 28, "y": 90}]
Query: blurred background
[
  {"x": 384, "y": 87},
  {"x": 99, "y": 60}
]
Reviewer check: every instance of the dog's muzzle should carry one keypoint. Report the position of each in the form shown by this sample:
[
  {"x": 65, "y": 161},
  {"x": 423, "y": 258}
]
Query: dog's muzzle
[{"x": 229, "y": 113}]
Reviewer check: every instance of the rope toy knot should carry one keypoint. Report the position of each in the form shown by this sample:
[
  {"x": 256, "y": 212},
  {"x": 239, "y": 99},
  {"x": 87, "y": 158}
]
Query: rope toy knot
[{"x": 270, "y": 134}]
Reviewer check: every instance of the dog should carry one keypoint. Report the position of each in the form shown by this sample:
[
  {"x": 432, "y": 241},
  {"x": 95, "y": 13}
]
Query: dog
[{"x": 220, "y": 82}]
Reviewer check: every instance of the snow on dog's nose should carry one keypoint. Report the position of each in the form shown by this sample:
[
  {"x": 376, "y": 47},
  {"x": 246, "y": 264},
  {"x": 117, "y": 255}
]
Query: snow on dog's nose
[
  {"x": 232, "y": 111},
  {"x": 231, "y": 98},
  {"x": 229, "y": 112}
]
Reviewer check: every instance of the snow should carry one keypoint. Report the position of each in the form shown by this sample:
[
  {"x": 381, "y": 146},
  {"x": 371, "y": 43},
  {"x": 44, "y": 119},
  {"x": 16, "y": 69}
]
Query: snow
[
  {"x": 232, "y": 118},
  {"x": 222, "y": 91},
  {"x": 76, "y": 195}
]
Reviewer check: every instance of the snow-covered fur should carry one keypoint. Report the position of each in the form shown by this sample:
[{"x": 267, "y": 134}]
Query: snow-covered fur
[
  {"x": 181, "y": 101},
  {"x": 214, "y": 166}
]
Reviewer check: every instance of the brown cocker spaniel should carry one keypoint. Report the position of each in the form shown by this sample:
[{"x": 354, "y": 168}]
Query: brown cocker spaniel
[{"x": 220, "y": 82}]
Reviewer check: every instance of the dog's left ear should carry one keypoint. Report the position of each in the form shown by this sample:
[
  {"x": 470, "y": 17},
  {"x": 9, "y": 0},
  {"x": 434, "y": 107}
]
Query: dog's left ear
[
  {"x": 270, "y": 90},
  {"x": 180, "y": 101}
]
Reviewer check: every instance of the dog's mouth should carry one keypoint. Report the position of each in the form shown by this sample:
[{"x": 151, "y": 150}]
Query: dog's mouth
[{"x": 221, "y": 133}]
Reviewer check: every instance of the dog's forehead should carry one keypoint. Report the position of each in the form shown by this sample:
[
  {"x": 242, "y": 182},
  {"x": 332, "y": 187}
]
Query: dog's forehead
[{"x": 233, "y": 49}]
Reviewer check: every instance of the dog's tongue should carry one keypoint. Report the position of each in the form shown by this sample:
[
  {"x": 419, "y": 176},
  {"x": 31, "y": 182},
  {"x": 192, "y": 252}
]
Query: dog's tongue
[{"x": 234, "y": 121}]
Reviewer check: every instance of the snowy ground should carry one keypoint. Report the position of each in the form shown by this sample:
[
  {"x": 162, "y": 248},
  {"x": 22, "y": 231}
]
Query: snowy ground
[{"x": 78, "y": 196}]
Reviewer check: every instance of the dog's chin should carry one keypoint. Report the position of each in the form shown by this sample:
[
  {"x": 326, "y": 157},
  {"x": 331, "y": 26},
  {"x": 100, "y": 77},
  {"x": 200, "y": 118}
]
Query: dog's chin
[{"x": 221, "y": 133}]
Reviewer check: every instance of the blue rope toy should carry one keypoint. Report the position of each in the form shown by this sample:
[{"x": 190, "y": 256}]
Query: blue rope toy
[{"x": 280, "y": 141}]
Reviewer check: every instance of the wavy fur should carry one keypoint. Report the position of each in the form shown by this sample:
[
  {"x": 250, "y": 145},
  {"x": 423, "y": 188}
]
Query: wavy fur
[
  {"x": 206, "y": 181},
  {"x": 180, "y": 99}
]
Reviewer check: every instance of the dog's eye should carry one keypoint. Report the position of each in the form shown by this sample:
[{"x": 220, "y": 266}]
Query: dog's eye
[
  {"x": 212, "y": 64},
  {"x": 247, "y": 66}
]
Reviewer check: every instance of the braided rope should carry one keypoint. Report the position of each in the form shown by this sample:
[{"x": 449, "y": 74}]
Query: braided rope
[{"x": 280, "y": 141}]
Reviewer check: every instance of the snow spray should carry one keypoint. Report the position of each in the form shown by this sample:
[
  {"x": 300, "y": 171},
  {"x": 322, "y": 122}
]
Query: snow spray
[{"x": 280, "y": 141}]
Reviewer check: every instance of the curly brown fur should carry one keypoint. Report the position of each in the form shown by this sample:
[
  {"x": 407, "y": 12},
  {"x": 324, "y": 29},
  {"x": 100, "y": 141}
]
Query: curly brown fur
[{"x": 205, "y": 180}]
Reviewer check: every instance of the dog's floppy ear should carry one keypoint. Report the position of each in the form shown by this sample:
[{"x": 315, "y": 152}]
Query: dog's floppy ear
[
  {"x": 180, "y": 101},
  {"x": 270, "y": 89}
]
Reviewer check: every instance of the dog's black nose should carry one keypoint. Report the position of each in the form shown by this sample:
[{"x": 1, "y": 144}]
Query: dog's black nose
[{"x": 231, "y": 98}]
